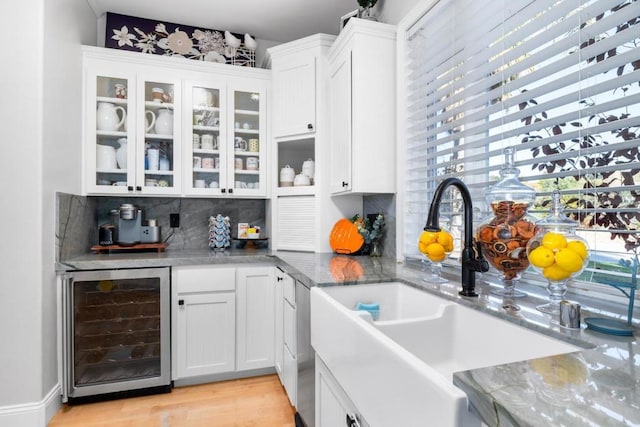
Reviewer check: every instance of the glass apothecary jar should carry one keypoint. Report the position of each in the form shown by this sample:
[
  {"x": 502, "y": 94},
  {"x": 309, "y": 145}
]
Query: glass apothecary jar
[
  {"x": 503, "y": 237},
  {"x": 557, "y": 253}
]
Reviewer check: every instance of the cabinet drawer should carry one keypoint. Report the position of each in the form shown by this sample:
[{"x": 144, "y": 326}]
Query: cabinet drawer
[
  {"x": 289, "y": 289},
  {"x": 289, "y": 327},
  {"x": 204, "y": 279},
  {"x": 290, "y": 375}
]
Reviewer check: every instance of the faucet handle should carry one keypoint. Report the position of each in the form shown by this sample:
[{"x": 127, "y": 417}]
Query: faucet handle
[{"x": 479, "y": 263}]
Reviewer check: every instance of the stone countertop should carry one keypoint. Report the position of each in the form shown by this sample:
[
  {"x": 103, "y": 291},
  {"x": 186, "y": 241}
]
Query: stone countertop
[{"x": 598, "y": 386}]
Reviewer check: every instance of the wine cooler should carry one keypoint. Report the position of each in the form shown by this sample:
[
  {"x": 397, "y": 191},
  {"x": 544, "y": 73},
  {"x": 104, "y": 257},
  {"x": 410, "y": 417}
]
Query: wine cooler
[{"x": 116, "y": 332}]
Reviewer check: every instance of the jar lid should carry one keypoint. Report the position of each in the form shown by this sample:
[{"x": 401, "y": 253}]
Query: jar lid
[
  {"x": 557, "y": 220},
  {"x": 509, "y": 187}
]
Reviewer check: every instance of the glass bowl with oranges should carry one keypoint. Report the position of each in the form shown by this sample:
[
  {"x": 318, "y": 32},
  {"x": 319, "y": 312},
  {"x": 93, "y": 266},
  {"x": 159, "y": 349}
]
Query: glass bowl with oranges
[
  {"x": 436, "y": 246},
  {"x": 557, "y": 253}
]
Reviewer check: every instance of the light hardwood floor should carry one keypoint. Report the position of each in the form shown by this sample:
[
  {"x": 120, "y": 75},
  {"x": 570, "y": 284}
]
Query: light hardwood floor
[{"x": 259, "y": 401}]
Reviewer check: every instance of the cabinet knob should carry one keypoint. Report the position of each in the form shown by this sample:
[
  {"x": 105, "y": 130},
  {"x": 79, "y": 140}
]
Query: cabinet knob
[
  {"x": 223, "y": 190},
  {"x": 138, "y": 188},
  {"x": 310, "y": 126},
  {"x": 180, "y": 302},
  {"x": 130, "y": 188},
  {"x": 345, "y": 184},
  {"x": 352, "y": 421},
  {"x": 230, "y": 190},
  {"x": 279, "y": 279}
]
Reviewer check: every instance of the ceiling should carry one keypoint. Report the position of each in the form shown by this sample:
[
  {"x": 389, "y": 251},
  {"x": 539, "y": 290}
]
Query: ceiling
[{"x": 276, "y": 20}]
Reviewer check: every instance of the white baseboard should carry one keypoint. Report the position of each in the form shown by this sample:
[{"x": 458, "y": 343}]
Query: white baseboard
[{"x": 35, "y": 414}]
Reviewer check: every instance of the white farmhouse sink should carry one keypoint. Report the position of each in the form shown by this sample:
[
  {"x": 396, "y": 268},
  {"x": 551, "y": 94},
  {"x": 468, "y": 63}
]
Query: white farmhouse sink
[{"x": 398, "y": 370}]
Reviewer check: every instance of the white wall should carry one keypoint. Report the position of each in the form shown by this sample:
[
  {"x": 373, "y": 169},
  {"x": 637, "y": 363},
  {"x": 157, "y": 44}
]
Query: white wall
[
  {"x": 392, "y": 11},
  {"x": 40, "y": 109}
]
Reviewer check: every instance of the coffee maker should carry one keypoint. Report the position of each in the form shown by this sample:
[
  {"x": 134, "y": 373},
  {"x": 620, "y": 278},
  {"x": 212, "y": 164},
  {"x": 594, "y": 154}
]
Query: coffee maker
[{"x": 128, "y": 224}]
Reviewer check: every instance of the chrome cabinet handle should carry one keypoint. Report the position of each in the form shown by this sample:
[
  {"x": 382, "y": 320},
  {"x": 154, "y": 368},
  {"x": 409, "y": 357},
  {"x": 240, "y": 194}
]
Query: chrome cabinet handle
[{"x": 352, "y": 421}]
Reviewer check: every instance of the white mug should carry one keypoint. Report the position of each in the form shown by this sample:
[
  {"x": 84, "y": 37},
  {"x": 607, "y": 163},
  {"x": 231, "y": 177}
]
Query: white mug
[
  {"x": 207, "y": 142},
  {"x": 207, "y": 163},
  {"x": 199, "y": 183}
]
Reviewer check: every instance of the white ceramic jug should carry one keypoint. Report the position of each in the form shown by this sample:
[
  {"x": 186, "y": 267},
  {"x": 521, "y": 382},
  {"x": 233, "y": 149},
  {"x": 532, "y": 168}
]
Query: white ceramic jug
[
  {"x": 149, "y": 126},
  {"x": 164, "y": 122},
  {"x": 105, "y": 157},
  {"x": 121, "y": 153},
  {"x": 107, "y": 116}
]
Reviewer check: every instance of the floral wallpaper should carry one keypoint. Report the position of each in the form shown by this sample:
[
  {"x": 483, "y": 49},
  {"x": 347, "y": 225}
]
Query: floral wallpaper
[{"x": 169, "y": 39}]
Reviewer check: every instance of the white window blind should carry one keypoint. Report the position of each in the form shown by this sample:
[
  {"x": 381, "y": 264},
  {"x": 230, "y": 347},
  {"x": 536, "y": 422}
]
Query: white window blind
[{"x": 557, "y": 80}]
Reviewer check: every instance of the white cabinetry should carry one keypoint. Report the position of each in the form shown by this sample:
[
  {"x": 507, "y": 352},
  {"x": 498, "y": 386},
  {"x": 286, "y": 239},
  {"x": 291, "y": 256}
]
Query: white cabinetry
[
  {"x": 362, "y": 97},
  {"x": 294, "y": 88},
  {"x": 289, "y": 334},
  {"x": 204, "y": 321},
  {"x": 333, "y": 406},
  {"x": 130, "y": 140},
  {"x": 286, "y": 345},
  {"x": 255, "y": 296},
  {"x": 223, "y": 104},
  {"x": 227, "y": 133},
  {"x": 302, "y": 216}
]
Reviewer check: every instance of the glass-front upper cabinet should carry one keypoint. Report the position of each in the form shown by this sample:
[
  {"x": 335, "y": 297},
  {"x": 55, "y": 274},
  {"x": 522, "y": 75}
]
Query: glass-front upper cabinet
[
  {"x": 205, "y": 130},
  {"x": 131, "y": 123},
  {"x": 226, "y": 131},
  {"x": 248, "y": 140}
]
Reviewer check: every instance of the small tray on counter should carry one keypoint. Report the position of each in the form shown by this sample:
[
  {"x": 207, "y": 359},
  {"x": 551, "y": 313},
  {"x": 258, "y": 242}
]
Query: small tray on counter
[
  {"x": 141, "y": 247},
  {"x": 259, "y": 243}
]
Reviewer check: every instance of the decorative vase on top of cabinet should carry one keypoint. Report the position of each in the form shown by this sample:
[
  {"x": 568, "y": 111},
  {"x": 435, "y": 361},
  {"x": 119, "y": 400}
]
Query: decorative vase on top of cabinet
[
  {"x": 132, "y": 117},
  {"x": 227, "y": 133}
]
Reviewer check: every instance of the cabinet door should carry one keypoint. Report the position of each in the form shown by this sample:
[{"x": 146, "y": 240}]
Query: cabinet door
[
  {"x": 109, "y": 121},
  {"x": 333, "y": 406},
  {"x": 255, "y": 292},
  {"x": 205, "y": 334},
  {"x": 294, "y": 95},
  {"x": 205, "y": 133},
  {"x": 247, "y": 142},
  {"x": 157, "y": 144},
  {"x": 340, "y": 93},
  {"x": 279, "y": 325}
]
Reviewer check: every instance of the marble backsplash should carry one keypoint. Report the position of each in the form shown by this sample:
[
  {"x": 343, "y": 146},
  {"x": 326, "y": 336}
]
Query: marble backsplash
[
  {"x": 386, "y": 204},
  {"x": 78, "y": 218}
]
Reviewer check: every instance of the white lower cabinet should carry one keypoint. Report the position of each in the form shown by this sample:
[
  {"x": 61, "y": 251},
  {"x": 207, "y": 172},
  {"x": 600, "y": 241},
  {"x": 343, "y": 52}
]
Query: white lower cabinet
[
  {"x": 255, "y": 338},
  {"x": 286, "y": 346},
  {"x": 223, "y": 319},
  {"x": 204, "y": 321},
  {"x": 333, "y": 406}
]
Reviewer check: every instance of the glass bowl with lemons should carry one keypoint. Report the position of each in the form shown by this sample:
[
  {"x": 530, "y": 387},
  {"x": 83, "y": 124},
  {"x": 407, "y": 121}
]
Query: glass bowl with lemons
[{"x": 557, "y": 253}]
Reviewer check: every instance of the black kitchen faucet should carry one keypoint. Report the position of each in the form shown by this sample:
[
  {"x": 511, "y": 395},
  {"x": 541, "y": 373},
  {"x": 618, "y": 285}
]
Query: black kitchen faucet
[{"x": 472, "y": 259}]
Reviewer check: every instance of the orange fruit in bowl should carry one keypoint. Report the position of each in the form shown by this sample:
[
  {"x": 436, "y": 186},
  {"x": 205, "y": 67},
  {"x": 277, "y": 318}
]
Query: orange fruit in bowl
[
  {"x": 555, "y": 273},
  {"x": 445, "y": 239},
  {"x": 541, "y": 257},
  {"x": 435, "y": 252},
  {"x": 578, "y": 247},
  {"x": 428, "y": 237},
  {"x": 554, "y": 241},
  {"x": 569, "y": 260}
]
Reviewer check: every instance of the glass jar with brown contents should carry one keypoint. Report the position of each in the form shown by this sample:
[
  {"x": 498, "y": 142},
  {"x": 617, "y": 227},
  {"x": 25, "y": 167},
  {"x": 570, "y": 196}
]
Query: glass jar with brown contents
[{"x": 503, "y": 237}]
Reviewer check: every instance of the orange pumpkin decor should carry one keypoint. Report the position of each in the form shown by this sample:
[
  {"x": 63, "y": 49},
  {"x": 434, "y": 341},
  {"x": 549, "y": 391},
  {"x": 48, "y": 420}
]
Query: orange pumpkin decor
[{"x": 344, "y": 237}]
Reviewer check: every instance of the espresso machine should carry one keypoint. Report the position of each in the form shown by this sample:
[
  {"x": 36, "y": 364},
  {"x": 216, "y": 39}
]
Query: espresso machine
[{"x": 128, "y": 229}]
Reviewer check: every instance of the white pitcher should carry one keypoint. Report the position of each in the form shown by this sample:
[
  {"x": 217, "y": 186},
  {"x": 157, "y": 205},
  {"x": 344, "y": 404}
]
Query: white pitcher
[
  {"x": 121, "y": 153},
  {"x": 107, "y": 116},
  {"x": 149, "y": 125},
  {"x": 164, "y": 122}
]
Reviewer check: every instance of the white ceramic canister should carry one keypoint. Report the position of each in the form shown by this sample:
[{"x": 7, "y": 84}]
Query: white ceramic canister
[
  {"x": 308, "y": 168},
  {"x": 252, "y": 163},
  {"x": 287, "y": 174}
]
